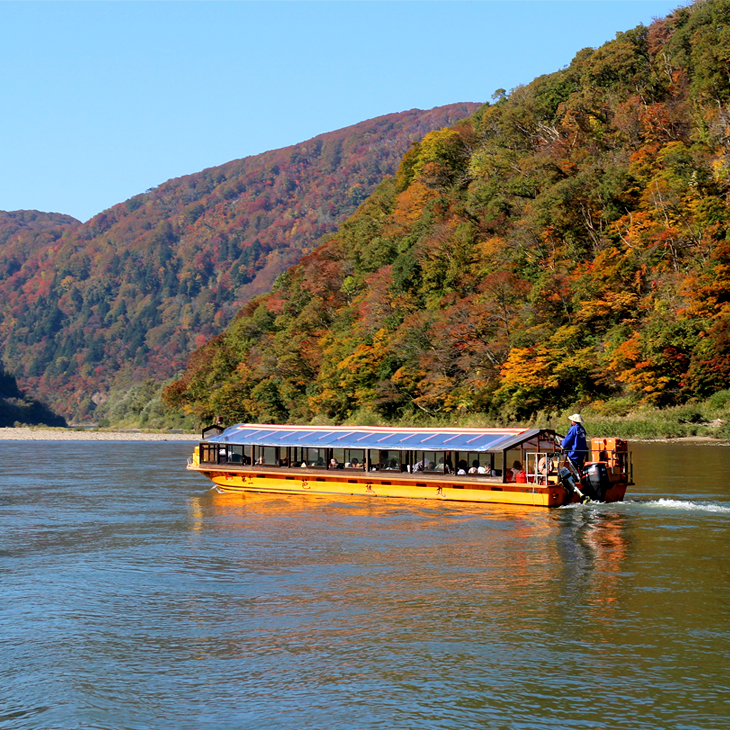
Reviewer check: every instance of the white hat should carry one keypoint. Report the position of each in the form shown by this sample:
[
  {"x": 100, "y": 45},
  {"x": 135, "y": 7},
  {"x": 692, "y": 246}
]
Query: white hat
[{"x": 575, "y": 418}]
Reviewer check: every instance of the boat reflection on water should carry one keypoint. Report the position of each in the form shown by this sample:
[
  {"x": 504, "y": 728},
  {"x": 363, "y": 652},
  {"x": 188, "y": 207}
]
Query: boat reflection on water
[
  {"x": 592, "y": 546},
  {"x": 575, "y": 554},
  {"x": 220, "y": 505}
]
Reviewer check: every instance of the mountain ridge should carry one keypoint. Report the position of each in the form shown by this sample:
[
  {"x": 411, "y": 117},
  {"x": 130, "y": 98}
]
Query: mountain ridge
[{"x": 125, "y": 296}]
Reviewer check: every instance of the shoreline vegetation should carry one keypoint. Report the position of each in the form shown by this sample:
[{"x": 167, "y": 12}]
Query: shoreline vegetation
[
  {"x": 707, "y": 420},
  {"x": 702, "y": 421}
]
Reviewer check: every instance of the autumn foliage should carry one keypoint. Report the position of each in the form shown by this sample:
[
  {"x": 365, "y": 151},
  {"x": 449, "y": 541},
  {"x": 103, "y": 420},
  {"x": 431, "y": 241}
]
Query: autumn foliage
[
  {"x": 126, "y": 296},
  {"x": 566, "y": 244}
]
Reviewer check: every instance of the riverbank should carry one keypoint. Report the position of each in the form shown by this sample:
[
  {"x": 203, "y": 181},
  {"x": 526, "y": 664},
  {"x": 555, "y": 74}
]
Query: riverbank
[{"x": 24, "y": 433}]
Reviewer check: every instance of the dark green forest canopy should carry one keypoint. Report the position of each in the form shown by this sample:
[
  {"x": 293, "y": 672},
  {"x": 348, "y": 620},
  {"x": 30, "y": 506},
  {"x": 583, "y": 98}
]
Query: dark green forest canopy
[{"x": 566, "y": 244}]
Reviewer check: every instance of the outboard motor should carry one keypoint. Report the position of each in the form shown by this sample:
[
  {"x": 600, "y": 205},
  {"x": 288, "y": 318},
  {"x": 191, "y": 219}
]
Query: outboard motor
[
  {"x": 595, "y": 481},
  {"x": 567, "y": 479}
]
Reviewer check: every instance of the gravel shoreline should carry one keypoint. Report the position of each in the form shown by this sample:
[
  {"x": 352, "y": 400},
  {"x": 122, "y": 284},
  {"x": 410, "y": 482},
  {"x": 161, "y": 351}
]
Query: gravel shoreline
[{"x": 67, "y": 434}]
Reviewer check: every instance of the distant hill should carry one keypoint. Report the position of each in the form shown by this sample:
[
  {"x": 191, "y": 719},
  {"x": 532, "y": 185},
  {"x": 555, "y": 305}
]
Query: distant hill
[
  {"x": 566, "y": 245},
  {"x": 24, "y": 232},
  {"x": 125, "y": 297}
]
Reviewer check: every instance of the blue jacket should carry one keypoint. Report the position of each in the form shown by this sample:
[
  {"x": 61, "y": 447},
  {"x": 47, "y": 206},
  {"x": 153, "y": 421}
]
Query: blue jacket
[{"x": 575, "y": 443}]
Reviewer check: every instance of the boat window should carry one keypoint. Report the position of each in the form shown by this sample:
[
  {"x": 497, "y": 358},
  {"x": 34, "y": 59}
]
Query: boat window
[
  {"x": 350, "y": 458},
  {"x": 235, "y": 454},
  {"x": 433, "y": 461},
  {"x": 473, "y": 463},
  {"x": 389, "y": 460},
  {"x": 443, "y": 463},
  {"x": 514, "y": 465},
  {"x": 355, "y": 458},
  {"x": 316, "y": 457},
  {"x": 297, "y": 456},
  {"x": 209, "y": 453},
  {"x": 265, "y": 455},
  {"x": 240, "y": 454}
]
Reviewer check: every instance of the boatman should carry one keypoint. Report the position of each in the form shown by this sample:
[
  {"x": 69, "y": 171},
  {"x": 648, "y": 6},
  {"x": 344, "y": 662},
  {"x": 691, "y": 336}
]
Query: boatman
[{"x": 575, "y": 443}]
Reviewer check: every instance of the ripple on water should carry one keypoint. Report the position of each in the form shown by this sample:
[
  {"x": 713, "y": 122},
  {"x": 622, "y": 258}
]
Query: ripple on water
[{"x": 159, "y": 603}]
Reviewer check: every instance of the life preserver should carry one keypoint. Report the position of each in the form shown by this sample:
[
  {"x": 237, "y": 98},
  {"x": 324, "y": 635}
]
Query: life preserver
[{"x": 545, "y": 465}]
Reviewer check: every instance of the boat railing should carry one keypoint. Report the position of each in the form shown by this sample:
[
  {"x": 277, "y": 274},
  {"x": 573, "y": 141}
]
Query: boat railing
[
  {"x": 619, "y": 463},
  {"x": 542, "y": 467}
]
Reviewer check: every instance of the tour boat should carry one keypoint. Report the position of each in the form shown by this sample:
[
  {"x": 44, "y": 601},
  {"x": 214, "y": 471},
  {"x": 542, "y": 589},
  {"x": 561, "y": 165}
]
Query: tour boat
[{"x": 499, "y": 465}]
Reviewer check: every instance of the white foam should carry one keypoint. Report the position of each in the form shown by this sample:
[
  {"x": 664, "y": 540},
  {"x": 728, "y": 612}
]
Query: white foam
[
  {"x": 690, "y": 506},
  {"x": 673, "y": 504}
]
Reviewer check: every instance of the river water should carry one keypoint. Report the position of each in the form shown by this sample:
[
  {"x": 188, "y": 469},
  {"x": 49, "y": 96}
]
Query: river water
[{"x": 133, "y": 597}]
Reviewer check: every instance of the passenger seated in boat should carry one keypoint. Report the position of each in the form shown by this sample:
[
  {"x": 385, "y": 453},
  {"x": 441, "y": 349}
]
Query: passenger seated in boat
[
  {"x": 260, "y": 460},
  {"x": 246, "y": 461},
  {"x": 423, "y": 465},
  {"x": 474, "y": 468},
  {"x": 517, "y": 473},
  {"x": 334, "y": 464},
  {"x": 461, "y": 471},
  {"x": 356, "y": 464},
  {"x": 514, "y": 471},
  {"x": 483, "y": 470},
  {"x": 391, "y": 465}
]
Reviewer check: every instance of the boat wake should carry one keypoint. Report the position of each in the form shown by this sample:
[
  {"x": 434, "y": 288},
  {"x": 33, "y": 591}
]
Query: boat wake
[
  {"x": 660, "y": 504},
  {"x": 680, "y": 504}
]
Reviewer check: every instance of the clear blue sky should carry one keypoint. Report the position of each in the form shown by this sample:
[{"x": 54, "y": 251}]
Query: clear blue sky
[{"x": 100, "y": 101}]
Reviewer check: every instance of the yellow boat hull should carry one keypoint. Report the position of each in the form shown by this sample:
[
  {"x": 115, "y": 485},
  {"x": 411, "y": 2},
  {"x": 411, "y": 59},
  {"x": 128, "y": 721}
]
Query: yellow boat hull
[{"x": 262, "y": 480}]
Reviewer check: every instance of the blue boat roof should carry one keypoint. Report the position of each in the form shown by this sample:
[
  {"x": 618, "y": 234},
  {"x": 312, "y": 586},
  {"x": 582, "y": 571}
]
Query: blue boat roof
[{"x": 371, "y": 437}]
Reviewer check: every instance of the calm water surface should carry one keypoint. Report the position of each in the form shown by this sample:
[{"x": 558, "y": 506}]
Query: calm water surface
[{"x": 132, "y": 597}]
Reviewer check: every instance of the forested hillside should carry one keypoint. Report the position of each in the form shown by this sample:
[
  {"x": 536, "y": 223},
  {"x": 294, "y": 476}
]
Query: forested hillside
[
  {"x": 125, "y": 297},
  {"x": 568, "y": 244}
]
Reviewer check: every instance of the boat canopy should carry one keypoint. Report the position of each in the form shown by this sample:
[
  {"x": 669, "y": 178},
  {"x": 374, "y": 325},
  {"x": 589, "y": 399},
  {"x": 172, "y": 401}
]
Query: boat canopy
[{"x": 371, "y": 437}]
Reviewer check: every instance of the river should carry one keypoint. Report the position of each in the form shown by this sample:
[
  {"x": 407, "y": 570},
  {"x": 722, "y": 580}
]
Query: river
[{"x": 133, "y": 597}]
